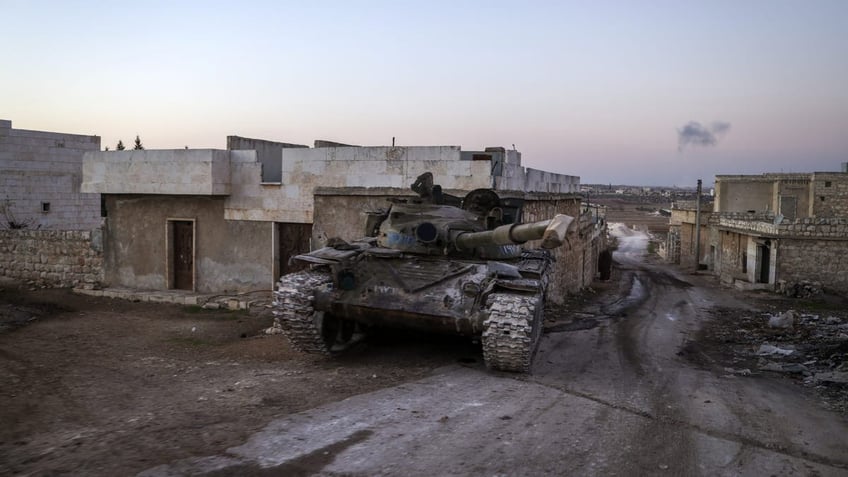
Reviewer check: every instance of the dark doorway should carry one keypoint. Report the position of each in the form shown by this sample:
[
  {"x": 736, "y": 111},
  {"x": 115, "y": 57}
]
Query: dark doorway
[
  {"x": 182, "y": 255},
  {"x": 764, "y": 253},
  {"x": 605, "y": 264},
  {"x": 293, "y": 240}
]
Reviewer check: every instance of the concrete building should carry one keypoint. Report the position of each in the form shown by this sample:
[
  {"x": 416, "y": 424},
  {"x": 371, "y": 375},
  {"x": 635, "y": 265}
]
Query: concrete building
[
  {"x": 219, "y": 221},
  {"x": 774, "y": 231},
  {"x": 49, "y": 228}
]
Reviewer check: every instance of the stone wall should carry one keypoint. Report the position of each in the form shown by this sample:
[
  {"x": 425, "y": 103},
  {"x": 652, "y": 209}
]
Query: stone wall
[
  {"x": 52, "y": 258},
  {"x": 40, "y": 176},
  {"x": 830, "y": 195},
  {"x": 836, "y": 228},
  {"x": 732, "y": 248},
  {"x": 825, "y": 261},
  {"x": 751, "y": 226},
  {"x": 671, "y": 250},
  {"x": 576, "y": 263},
  {"x": 832, "y": 228}
]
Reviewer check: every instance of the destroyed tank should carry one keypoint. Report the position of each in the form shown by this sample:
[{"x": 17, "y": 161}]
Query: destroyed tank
[{"x": 435, "y": 263}]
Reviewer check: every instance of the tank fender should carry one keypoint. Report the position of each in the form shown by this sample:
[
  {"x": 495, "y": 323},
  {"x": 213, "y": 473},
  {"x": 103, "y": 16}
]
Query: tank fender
[
  {"x": 529, "y": 285},
  {"x": 503, "y": 270}
]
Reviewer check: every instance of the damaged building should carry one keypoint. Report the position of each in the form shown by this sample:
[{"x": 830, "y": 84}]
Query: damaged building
[
  {"x": 774, "y": 231},
  {"x": 228, "y": 221}
]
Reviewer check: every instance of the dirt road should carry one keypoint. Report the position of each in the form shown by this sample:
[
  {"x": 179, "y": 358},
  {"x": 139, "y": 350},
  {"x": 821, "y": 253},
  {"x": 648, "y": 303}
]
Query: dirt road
[
  {"x": 105, "y": 387},
  {"x": 612, "y": 393},
  {"x": 621, "y": 386}
]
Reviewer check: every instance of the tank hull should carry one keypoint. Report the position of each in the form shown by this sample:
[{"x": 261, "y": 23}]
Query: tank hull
[{"x": 425, "y": 295}]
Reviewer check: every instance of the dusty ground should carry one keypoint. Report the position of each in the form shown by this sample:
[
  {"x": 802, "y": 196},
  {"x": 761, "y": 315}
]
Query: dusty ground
[
  {"x": 110, "y": 387},
  {"x": 812, "y": 352}
]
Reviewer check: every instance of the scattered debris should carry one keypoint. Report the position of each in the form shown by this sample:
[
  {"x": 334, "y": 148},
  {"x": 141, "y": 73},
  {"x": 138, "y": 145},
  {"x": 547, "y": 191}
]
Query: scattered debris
[
  {"x": 783, "y": 320},
  {"x": 809, "y": 347},
  {"x": 275, "y": 329},
  {"x": 767, "y": 349},
  {"x": 832, "y": 377}
]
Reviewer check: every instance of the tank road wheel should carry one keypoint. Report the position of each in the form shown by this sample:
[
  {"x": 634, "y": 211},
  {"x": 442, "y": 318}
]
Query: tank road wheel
[
  {"x": 512, "y": 330},
  {"x": 309, "y": 330}
]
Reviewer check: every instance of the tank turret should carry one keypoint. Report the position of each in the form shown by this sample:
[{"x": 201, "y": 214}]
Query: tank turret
[{"x": 481, "y": 225}]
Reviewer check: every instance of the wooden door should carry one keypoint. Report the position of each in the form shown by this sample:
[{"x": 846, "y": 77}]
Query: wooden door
[
  {"x": 293, "y": 240},
  {"x": 183, "y": 255}
]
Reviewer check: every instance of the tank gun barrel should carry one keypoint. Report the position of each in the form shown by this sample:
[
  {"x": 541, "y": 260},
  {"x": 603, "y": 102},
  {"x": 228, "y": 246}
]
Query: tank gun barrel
[{"x": 552, "y": 233}]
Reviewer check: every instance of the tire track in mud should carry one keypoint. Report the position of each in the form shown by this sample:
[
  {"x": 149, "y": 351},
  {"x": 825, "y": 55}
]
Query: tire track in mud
[{"x": 631, "y": 323}]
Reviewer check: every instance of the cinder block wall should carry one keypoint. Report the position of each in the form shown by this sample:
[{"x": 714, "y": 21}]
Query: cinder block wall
[{"x": 38, "y": 167}]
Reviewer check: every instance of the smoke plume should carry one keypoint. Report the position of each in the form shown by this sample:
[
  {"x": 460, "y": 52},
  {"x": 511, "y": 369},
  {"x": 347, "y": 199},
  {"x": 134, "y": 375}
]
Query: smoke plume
[{"x": 694, "y": 133}]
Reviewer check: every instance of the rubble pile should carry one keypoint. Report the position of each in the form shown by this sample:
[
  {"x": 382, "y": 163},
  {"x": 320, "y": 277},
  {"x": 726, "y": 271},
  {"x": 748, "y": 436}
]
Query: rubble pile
[
  {"x": 802, "y": 289},
  {"x": 809, "y": 347}
]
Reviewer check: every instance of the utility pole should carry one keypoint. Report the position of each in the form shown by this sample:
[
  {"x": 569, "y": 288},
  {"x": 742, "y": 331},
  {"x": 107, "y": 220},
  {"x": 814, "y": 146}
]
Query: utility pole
[{"x": 698, "y": 227}]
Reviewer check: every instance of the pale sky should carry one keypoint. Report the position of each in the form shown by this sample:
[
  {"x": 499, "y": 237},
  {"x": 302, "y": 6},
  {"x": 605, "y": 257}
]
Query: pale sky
[{"x": 596, "y": 89}]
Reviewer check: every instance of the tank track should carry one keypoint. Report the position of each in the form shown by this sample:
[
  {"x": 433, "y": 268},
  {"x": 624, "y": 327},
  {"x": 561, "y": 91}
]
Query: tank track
[
  {"x": 294, "y": 313},
  {"x": 511, "y": 332}
]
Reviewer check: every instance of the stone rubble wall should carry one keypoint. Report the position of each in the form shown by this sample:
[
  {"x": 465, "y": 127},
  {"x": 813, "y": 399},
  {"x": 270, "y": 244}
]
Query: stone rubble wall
[
  {"x": 671, "y": 251},
  {"x": 836, "y": 228},
  {"x": 832, "y": 228},
  {"x": 732, "y": 247},
  {"x": 761, "y": 216},
  {"x": 826, "y": 261},
  {"x": 830, "y": 195},
  {"x": 576, "y": 265},
  {"x": 53, "y": 258},
  {"x": 766, "y": 228}
]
